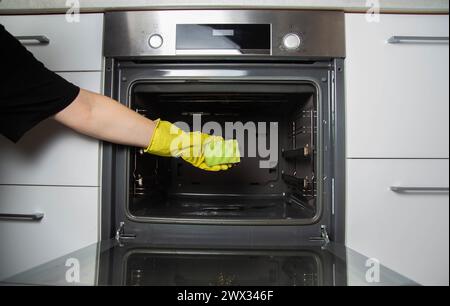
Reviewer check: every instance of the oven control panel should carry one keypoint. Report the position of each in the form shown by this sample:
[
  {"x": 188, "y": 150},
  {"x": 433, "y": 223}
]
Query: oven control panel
[{"x": 277, "y": 33}]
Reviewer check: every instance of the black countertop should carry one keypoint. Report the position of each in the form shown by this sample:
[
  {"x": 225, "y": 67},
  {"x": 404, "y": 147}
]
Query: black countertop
[{"x": 110, "y": 263}]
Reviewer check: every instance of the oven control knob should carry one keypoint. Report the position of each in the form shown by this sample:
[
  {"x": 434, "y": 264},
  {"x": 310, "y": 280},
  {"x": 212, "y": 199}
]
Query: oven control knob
[
  {"x": 155, "y": 41},
  {"x": 292, "y": 41}
]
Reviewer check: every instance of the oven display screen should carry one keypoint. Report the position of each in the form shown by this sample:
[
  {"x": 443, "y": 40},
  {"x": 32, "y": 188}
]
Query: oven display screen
[{"x": 234, "y": 38}]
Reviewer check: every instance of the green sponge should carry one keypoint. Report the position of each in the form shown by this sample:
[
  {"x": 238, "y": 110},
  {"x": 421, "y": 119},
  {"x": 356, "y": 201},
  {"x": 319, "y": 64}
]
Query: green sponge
[{"x": 220, "y": 152}]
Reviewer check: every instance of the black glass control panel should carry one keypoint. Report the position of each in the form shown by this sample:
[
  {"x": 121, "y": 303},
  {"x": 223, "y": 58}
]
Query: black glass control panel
[{"x": 227, "y": 38}]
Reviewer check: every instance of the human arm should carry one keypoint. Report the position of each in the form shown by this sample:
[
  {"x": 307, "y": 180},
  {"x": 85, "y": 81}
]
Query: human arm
[{"x": 105, "y": 119}]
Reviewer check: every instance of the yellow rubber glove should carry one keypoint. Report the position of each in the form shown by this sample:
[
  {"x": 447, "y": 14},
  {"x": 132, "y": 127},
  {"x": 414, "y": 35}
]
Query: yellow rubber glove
[{"x": 170, "y": 141}]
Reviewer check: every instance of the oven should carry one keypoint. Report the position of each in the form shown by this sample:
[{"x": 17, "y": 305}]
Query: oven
[{"x": 273, "y": 80}]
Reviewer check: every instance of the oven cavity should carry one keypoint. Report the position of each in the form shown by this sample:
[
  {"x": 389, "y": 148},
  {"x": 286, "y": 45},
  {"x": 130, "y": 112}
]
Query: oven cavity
[{"x": 276, "y": 126}]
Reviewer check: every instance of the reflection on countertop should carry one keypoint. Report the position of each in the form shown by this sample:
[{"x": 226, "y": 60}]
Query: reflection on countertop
[{"x": 111, "y": 263}]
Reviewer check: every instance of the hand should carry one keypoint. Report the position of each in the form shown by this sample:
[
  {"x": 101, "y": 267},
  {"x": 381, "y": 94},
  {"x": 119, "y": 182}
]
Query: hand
[{"x": 170, "y": 141}]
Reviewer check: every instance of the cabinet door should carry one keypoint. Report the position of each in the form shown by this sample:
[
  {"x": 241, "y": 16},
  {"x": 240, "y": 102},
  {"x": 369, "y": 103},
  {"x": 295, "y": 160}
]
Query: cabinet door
[
  {"x": 397, "y": 93},
  {"x": 51, "y": 154},
  {"x": 75, "y": 46},
  {"x": 407, "y": 230},
  {"x": 70, "y": 218}
]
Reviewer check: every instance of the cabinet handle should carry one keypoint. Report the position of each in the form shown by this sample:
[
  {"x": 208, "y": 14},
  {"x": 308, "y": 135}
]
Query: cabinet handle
[
  {"x": 37, "y": 217},
  {"x": 399, "y": 189},
  {"x": 418, "y": 40},
  {"x": 33, "y": 40}
]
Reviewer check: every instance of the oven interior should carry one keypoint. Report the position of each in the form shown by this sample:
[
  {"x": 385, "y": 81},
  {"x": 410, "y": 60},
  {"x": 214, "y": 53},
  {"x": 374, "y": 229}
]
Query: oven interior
[{"x": 277, "y": 182}]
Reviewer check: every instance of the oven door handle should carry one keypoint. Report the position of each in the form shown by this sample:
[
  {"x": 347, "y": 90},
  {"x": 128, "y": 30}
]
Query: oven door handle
[
  {"x": 400, "y": 189},
  {"x": 33, "y": 40},
  {"x": 37, "y": 217},
  {"x": 418, "y": 40}
]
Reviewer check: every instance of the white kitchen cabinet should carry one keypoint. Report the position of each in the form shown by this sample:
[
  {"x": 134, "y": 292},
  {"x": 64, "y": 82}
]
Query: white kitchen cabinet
[
  {"x": 408, "y": 232},
  {"x": 52, "y": 170},
  {"x": 75, "y": 46},
  {"x": 51, "y": 154},
  {"x": 397, "y": 94},
  {"x": 69, "y": 223}
]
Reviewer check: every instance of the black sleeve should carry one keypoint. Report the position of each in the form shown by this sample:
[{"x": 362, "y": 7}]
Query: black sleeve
[{"x": 29, "y": 92}]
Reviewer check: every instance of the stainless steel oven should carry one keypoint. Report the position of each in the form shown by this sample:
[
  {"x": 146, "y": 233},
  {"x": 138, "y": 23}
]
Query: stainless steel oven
[{"x": 272, "y": 78}]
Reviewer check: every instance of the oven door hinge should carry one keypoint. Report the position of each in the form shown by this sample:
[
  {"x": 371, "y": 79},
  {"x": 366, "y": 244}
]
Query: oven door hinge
[
  {"x": 324, "y": 237},
  {"x": 121, "y": 236}
]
